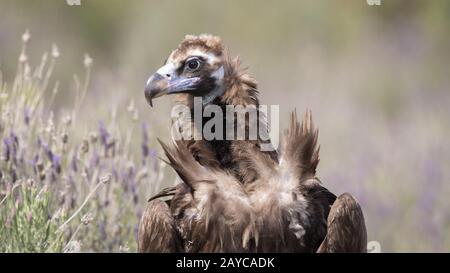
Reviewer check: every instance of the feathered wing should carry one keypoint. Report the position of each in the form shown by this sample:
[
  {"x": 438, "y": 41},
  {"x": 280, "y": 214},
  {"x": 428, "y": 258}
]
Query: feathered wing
[
  {"x": 192, "y": 173},
  {"x": 291, "y": 205},
  {"x": 157, "y": 231},
  {"x": 346, "y": 230},
  {"x": 300, "y": 157},
  {"x": 170, "y": 191}
]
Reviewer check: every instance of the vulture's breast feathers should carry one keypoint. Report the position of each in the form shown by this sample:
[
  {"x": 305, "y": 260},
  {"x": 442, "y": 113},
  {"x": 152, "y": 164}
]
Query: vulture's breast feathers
[
  {"x": 270, "y": 214},
  {"x": 217, "y": 215}
]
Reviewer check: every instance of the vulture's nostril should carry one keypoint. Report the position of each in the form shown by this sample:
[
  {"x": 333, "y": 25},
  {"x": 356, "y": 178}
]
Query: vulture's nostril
[{"x": 168, "y": 76}]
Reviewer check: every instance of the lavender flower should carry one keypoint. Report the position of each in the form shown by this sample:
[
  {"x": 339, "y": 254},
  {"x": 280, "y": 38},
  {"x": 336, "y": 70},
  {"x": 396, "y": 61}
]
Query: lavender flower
[
  {"x": 145, "y": 148},
  {"x": 153, "y": 155},
  {"x": 14, "y": 145},
  {"x": 136, "y": 232},
  {"x": 111, "y": 147},
  {"x": 48, "y": 151},
  {"x": 13, "y": 174},
  {"x": 14, "y": 137},
  {"x": 102, "y": 230},
  {"x": 95, "y": 160},
  {"x": 104, "y": 135},
  {"x": 34, "y": 162},
  {"x": 6, "y": 149},
  {"x": 134, "y": 192},
  {"x": 56, "y": 163}
]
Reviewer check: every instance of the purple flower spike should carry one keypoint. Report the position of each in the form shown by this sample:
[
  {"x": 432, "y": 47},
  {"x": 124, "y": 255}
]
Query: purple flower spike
[
  {"x": 144, "y": 132},
  {"x": 134, "y": 192},
  {"x": 14, "y": 175},
  {"x": 115, "y": 173},
  {"x": 145, "y": 150},
  {"x": 136, "y": 231},
  {"x": 56, "y": 163},
  {"x": 95, "y": 160},
  {"x": 102, "y": 230},
  {"x": 124, "y": 179},
  {"x": 48, "y": 151},
  {"x": 104, "y": 135},
  {"x": 11, "y": 147},
  {"x": 14, "y": 137},
  {"x": 34, "y": 161},
  {"x": 144, "y": 146},
  {"x": 73, "y": 164},
  {"x": 6, "y": 149},
  {"x": 153, "y": 155}
]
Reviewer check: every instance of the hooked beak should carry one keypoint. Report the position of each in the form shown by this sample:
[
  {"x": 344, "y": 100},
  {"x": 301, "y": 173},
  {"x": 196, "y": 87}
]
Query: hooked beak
[
  {"x": 156, "y": 86},
  {"x": 165, "y": 82}
]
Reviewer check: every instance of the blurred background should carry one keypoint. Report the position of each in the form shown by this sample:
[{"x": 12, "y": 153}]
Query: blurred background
[{"x": 375, "y": 77}]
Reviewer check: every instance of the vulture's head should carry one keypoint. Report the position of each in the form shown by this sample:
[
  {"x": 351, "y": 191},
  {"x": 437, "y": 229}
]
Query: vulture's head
[{"x": 200, "y": 67}]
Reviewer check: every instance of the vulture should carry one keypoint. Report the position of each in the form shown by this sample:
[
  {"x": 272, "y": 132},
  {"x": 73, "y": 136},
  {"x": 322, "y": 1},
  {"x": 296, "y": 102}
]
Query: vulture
[{"x": 235, "y": 196}]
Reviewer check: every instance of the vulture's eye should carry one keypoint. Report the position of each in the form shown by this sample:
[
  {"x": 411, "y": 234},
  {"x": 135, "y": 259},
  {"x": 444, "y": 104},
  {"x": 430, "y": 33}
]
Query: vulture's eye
[{"x": 193, "y": 64}]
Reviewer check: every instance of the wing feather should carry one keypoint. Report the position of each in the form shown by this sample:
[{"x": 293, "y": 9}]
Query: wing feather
[
  {"x": 157, "y": 231},
  {"x": 346, "y": 230}
]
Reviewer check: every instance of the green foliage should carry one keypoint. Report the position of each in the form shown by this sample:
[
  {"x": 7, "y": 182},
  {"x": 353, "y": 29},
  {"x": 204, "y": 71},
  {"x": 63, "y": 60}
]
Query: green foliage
[{"x": 29, "y": 225}]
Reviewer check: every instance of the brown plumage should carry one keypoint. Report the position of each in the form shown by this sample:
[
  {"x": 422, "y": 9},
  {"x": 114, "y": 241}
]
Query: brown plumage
[
  {"x": 234, "y": 197},
  {"x": 155, "y": 229},
  {"x": 239, "y": 89},
  {"x": 211, "y": 212},
  {"x": 346, "y": 227}
]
